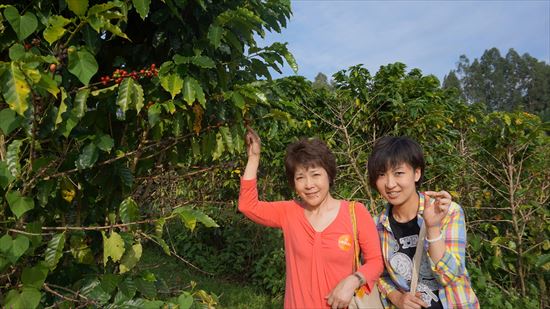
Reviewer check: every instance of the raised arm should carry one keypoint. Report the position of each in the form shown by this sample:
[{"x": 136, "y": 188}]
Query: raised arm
[
  {"x": 253, "y": 148},
  {"x": 265, "y": 213},
  {"x": 446, "y": 232},
  {"x": 436, "y": 208}
]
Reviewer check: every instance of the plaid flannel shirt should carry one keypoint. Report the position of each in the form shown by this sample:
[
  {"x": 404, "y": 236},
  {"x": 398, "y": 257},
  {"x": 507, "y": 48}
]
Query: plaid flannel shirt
[{"x": 455, "y": 289}]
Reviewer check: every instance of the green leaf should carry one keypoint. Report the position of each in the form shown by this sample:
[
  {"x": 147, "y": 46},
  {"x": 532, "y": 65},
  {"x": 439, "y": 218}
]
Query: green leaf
[
  {"x": 131, "y": 257},
  {"x": 205, "y": 220},
  {"x": 83, "y": 65},
  {"x": 88, "y": 157},
  {"x": 115, "y": 30},
  {"x": 142, "y": 7},
  {"x": 218, "y": 151},
  {"x": 105, "y": 143},
  {"x": 62, "y": 108},
  {"x": 80, "y": 250},
  {"x": 179, "y": 59},
  {"x": 47, "y": 84},
  {"x": 238, "y": 100},
  {"x": 543, "y": 261},
  {"x": 189, "y": 217},
  {"x": 128, "y": 210},
  {"x": 227, "y": 139},
  {"x": 159, "y": 227},
  {"x": 152, "y": 304},
  {"x": 126, "y": 290},
  {"x": 104, "y": 91},
  {"x": 153, "y": 114},
  {"x": 172, "y": 83},
  {"x": 94, "y": 290},
  {"x": 113, "y": 247},
  {"x": 130, "y": 94},
  {"x": 5, "y": 243},
  {"x": 19, "y": 246},
  {"x": 215, "y": 35},
  {"x": 192, "y": 91},
  {"x": 55, "y": 29},
  {"x": 22, "y": 25},
  {"x": 79, "y": 7},
  {"x": 54, "y": 250},
  {"x": 19, "y": 205},
  {"x": 237, "y": 139},
  {"x": 203, "y": 62},
  {"x": 125, "y": 175},
  {"x": 29, "y": 298},
  {"x": 34, "y": 276},
  {"x": 185, "y": 300},
  {"x": 16, "y": 90},
  {"x": 137, "y": 97},
  {"x": 12, "y": 157},
  {"x": 99, "y": 8},
  {"x": 16, "y": 52},
  {"x": 80, "y": 100},
  {"x": 163, "y": 245},
  {"x": 291, "y": 61},
  {"x": 35, "y": 228},
  {"x": 146, "y": 288},
  {"x": 9, "y": 121},
  {"x": 109, "y": 282},
  {"x": 5, "y": 176}
]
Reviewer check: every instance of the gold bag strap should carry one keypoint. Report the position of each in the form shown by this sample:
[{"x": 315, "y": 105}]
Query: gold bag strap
[{"x": 356, "y": 262}]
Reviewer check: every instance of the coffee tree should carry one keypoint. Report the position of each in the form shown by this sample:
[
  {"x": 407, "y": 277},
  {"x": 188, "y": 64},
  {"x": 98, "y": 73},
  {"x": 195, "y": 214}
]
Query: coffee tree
[{"x": 98, "y": 98}]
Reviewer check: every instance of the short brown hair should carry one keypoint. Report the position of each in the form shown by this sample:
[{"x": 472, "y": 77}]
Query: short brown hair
[
  {"x": 389, "y": 152},
  {"x": 308, "y": 153}
]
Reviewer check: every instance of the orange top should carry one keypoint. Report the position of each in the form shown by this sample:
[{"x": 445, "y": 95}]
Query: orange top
[{"x": 315, "y": 261}]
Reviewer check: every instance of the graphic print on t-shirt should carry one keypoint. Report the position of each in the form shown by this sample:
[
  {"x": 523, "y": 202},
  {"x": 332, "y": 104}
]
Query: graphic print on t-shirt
[
  {"x": 344, "y": 242},
  {"x": 401, "y": 260}
]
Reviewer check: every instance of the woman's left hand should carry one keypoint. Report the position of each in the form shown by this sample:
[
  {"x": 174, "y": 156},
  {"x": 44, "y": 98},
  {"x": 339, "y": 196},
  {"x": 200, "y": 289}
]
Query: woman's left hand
[
  {"x": 436, "y": 211},
  {"x": 341, "y": 295}
]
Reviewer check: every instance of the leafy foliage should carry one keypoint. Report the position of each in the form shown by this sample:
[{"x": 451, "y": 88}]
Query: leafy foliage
[{"x": 97, "y": 97}]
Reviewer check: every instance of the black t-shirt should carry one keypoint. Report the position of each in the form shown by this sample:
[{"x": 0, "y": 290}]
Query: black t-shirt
[{"x": 401, "y": 260}]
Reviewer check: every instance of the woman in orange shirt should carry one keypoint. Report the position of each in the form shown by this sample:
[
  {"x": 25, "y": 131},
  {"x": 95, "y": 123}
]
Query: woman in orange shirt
[{"x": 317, "y": 228}]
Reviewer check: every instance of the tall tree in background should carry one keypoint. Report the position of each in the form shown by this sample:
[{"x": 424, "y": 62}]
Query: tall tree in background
[
  {"x": 321, "y": 81},
  {"x": 504, "y": 83}
]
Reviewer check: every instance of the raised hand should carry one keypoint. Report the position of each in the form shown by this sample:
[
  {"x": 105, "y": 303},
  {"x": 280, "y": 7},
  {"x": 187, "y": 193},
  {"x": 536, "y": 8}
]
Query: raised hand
[
  {"x": 253, "y": 143},
  {"x": 253, "y": 148},
  {"x": 435, "y": 211}
]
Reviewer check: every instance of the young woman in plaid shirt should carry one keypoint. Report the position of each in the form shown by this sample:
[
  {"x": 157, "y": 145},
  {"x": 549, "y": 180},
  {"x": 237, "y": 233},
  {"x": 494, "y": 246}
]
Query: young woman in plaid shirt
[{"x": 395, "y": 168}]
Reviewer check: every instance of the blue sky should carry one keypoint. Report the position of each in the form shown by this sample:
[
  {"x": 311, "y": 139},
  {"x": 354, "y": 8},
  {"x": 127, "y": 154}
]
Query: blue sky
[{"x": 327, "y": 36}]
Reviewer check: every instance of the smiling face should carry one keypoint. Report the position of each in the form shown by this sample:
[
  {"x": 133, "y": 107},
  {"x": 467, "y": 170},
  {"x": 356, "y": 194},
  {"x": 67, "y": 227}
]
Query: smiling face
[
  {"x": 398, "y": 185},
  {"x": 312, "y": 185}
]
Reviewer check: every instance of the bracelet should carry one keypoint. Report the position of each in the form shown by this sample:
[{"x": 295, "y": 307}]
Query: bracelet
[
  {"x": 435, "y": 239},
  {"x": 361, "y": 280}
]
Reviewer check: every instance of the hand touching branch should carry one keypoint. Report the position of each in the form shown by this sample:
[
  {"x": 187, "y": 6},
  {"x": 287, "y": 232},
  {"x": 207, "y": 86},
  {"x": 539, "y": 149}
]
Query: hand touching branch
[{"x": 253, "y": 149}]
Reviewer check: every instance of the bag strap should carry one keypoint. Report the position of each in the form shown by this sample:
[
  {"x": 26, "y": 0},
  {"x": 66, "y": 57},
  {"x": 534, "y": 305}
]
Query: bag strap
[
  {"x": 356, "y": 262},
  {"x": 418, "y": 257}
]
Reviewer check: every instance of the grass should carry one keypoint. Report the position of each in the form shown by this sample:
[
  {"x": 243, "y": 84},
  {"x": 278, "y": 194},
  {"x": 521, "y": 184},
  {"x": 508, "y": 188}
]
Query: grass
[{"x": 175, "y": 276}]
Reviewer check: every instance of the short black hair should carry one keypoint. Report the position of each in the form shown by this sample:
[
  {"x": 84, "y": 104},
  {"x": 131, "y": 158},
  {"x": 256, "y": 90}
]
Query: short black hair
[
  {"x": 391, "y": 151},
  {"x": 307, "y": 153}
]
